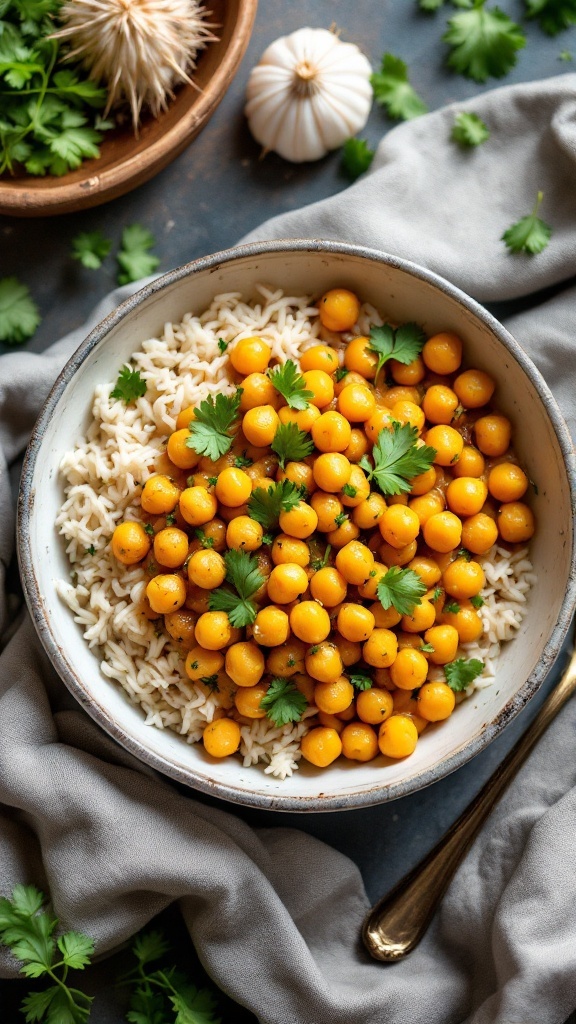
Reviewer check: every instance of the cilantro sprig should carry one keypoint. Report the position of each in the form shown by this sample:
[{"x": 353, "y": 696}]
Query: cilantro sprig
[
  {"x": 356, "y": 157},
  {"x": 210, "y": 429},
  {"x": 28, "y": 928},
  {"x": 90, "y": 248},
  {"x": 403, "y": 343},
  {"x": 553, "y": 15},
  {"x": 291, "y": 444},
  {"x": 265, "y": 506},
  {"x": 19, "y": 316},
  {"x": 397, "y": 458},
  {"x": 393, "y": 91},
  {"x": 483, "y": 42},
  {"x": 469, "y": 130},
  {"x": 283, "y": 702},
  {"x": 134, "y": 257},
  {"x": 401, "y": 589},
  {"x": 129, "y": 386},
  {"x": 290, "y": 383},
  {"x": 360, "y": 681},
  {"x": 530, "y": 234},
  {"x": 460, "y": 673},
  {"x": 243, "y": 574}
]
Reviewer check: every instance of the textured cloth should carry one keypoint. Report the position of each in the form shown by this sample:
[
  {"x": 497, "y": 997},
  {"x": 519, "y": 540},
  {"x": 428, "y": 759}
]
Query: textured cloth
[{"x": 114, "y": 843}]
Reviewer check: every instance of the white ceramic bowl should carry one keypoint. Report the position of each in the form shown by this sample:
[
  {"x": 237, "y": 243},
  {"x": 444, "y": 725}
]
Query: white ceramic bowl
[{"x": 403, "y": 292}]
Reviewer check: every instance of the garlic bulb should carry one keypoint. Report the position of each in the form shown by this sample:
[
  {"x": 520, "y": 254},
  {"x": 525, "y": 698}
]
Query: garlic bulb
[
  {"x": 140, "y": 49},
  {"x": 308, "y": 94}
]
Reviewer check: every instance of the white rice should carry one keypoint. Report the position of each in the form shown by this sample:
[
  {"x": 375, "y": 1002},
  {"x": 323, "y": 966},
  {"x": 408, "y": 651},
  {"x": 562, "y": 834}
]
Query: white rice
[{"x": 103, "y": 477}]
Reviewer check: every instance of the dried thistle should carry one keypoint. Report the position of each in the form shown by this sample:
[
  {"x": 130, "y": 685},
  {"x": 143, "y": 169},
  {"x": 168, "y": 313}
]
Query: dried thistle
[{"x": 140, "y": 49}]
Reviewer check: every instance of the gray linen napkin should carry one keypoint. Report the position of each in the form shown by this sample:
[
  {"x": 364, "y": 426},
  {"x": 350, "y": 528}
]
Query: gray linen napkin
[{"x": 275, "y": 914}]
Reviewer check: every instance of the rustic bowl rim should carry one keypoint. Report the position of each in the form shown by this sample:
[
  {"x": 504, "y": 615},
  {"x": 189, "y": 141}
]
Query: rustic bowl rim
[
  {"x": 18, "y": 199},
  {"x": 190, "y": 778}
]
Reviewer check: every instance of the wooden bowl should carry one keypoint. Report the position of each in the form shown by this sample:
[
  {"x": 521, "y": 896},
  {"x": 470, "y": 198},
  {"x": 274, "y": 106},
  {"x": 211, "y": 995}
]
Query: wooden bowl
[{"x": 125, "y": 161}]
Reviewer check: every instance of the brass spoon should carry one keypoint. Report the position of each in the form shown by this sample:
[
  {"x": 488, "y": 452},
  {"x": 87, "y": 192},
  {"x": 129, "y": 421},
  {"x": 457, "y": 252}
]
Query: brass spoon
[{"x": 398, "y": 921}]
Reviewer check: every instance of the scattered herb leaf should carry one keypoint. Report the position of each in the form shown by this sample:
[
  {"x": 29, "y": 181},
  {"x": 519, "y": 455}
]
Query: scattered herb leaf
[
  {"x": 134, "y": 258},
  {"x": 477, "y": 601},
  {"x": 210, "y": 430},
  {"x": 452, "y": 606},
  {"x": 469, "y": 130},
  {"x": 91, "y": 248},
  {"x": 360, "y": 681},
  {"x": 290, "y": 383},
  {"x": 356, "y": 157},
  {"x": 483, "y": 43},
  {"x": 401, "y": 589},
  {"x": 291, "y": 444},
  {"x": 393, "y": 91},
  {"x": 265, "y": 506},
  {"x": 341, "y": 372},
  {"x": 222, "y": 345},
  {"x": 206, "y": 542},
  {"x": 397, "y": 459},
  {"x": 19, "y": 316},
  {"x": 402, "y": 343},
  {"x": 243, "y": 574},
  {"x": 465, "y": 554},
  {"x": 242, "y": 460},
  {"x": 460, "y": 673},
  {"x": 529, "y": 234},
  {"x": 427, "y": 649},
  {"x": 211, "y": 682},
  {"x": 553, "y": 15},
  {"x": 437, "y": 594},
  {"x": 340, "y": 519},
  {"x": 283, "y": 702},
  {"x": 129, "y": 386},
  {"x": 565, "y": 55}
]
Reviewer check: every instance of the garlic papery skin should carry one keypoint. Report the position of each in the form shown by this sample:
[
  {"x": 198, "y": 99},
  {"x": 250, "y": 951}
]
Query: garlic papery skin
[
  {"x": 140, "y": 49},
  {"x": 308, "y": 94}
]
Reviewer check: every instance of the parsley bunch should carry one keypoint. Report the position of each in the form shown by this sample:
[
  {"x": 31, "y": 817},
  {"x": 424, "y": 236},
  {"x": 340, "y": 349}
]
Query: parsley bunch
[
  {"x": 49, "y": 121},
  {"x": 163, "y": 995}
]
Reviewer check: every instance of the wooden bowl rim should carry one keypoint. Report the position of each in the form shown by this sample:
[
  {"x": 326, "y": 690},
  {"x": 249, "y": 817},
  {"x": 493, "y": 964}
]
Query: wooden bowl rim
[{"x": 26, "y": 197}]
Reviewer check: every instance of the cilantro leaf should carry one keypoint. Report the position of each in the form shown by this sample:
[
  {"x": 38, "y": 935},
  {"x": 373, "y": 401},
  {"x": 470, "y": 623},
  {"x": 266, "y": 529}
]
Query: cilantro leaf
[
  {"x": 149, "y": 946},
  {"x": 76, "y": 949},
  {"x": 36, "y": 1004},
  {"x": 401, "y": 589},
  {"x": 483, "y": 43},
  {"x": 291, "y": 444},
  {"x": 19, "y": 316},
  {"x": 360, "y": 681},
  {"x": 469, "y": 130},
  {"x": 90, "y": 247},
  {"x": 403, "y": 343},
  {"x": 242, "y": 460},
  {"x": 222, "y": 345},
  {"x": 146, "y": 1007},
  {"x": 397, "y": 458},
  {"x": 341, "y": 372},
  {"x": 356, "y": 157},
  {"x": 74, "y": 144},
  {"x": 460, "y": 673},
  {"x": 529, "y": 234},
  {"x": 210, "y": 430},
  {"x": 243, "y": 574},
  {"x": 393, "y": 90},
  {"x": 319, "y": 563},
  {"x": 430, "y": 5},
  {"x": 283, "y": 702},
  {"x": 427, "y": 649},
  {"x": 565, "y": 55},
  {"x": 452, "y": 607},
  {"x": 265, "y": 506},
  {"x": 134, "y": 259},
  {"x": 553, "y": 15},
  {"x": 129, "y": 386},
  {"x": 477, "y": 601},
  {"x": 291, "y": 385}
]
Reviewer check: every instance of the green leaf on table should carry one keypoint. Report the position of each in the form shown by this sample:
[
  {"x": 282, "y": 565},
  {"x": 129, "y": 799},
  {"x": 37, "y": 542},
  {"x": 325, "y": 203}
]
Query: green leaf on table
[
  {"x": 483, "y": 43},
  {"x": 356, "y": 157},
  {"x": 26, "y": 900},
  {"x": 430, "y": 5},
  {"x": 134, "y": 258},
  {"x": 469, "y": 130},
  {"x": 146, "y": 1007},
  {"x": 552, "y": 15},
  {"x": 90, "y": 248},
  {"x": 565, "y": 55},
  {"x": 530, "y": 234},
  {"x": 76, "y": 949},
  {"x": 393, "y": 91},
  {"x": 19, "y": 316},
  {"x": 35, "y": 1005},
  {"x": 149, "y": 946}
]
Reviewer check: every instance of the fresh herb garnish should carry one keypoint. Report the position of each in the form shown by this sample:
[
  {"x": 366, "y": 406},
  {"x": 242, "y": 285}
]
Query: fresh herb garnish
[
  {"x": 212, "y": 481},
  {"x": 430, "y": 5},
  {"x": 553, "y": 15},
  {"x": 27, "y": 928},
  {"x": 341, "y": 372},
  {"x": 283, "y": 702},
  {"x": 210, "y": 430},
  {"x": 265, "y": 506},
  {"x": 360, "y": 681},
  {"x": 401, "y": 589},
  {"x": 427, "y": 649},
  {"x": 356, "y": 157},
  {"x": 290, "y": 383},
  {"x": 320, "y": 563},
  {"x": 242, "y": 460},
  {"x": 222, "y": 345},
  {"x": 91, "y": 248},
  {"x": 464, "y": 554},
  {"x": 211, "y": 682},
  {"x": 340, "y": 519},
  {"x": 393, "y": 91},
  {"x": 134, "y": 258},
  {"x": 565, "y": 55},
  {"x": 469, "y": 130},
  {"x": 402, "y": 343},
  {"x": 529, "y": 234},
  {"x": 460, "y": 673},
  {"x": 452, "y": 607},
  {"x": 349, "y": 491},
  {"x": 397, "y": 458},
  {"x": 129, "y": 386},
  {"x": 91, "y": 550},
  {"x": 243, "y": 574},
  {"x": 149, "y": 529},
  {"x": 437, "y": 594},
  {"x": 477, "y": 601},
  {"x": 170, "y": 519},
  {"x": 19, "y": 316},
  {"x": 483, "y": 43},
  {"x": 291, "y": 444},
  {"x": 206, "y": 542}
]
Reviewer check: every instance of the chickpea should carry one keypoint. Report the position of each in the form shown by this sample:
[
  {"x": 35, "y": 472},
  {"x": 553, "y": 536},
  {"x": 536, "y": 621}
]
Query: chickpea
[
  {"x": 507, "y": 482},
  {"x": 250, "y": 355},
  {"x": 466, "y": 495},
  {"x": 355, "y": 562},
  {"x": 408, "y": 373},
  {"x": 466, "y": 622},
  {"x": 213, "y": 631},
  {"x": 207, "y": 569},
  {"x": 244, "y": 534},
  {"x": 442, "y": 353},
  {"x": 399, "y": 393},
  {"x": 331, "y": 471},
  {"x": 463, "y": 579},
  {"x": 493, "y": 434},
  {"x": 287, "y": 549},
  {"x": 298, "y": 473},
  {"x": 328, "y": 586},
  {"x": 221, "y": 737},
  {"x": 447, "y": 442},
  {"x": 310, "y": 622},
  {"x": 260, "y": 425},
  {"x": 343, "y": 534},
  {"x": 327, "y": 507},
  {"x": 286, "y": 583},
  {"x": 248, "y": 700},
  {"x": 302, "y": 418},
  {"x": 245, "y": 663},
  {"x": 474, "y": 388},
  {"x": 166, "y": 593},
  {"x": 440, "y": 404},
  {"x": 159, "y": 495},
  {"x": 185, "y": 417},
  {"x": 409, "y": 412},
  {"x": 424, "y": 482},
  {"x": 355, "y": 622},
  {"x": 423, "y": 616},
  {"x": 334, "y": 696},
  {"x": 369, "y": 513},
  {"x": 436, "y": 701},
  {"x": 370, "y": 586},
  {"x": 381, "y": 420},
  {"x": 427, "y": 568},
  {"x": 399, "y": 526},
  {"x": 356, "y": 403},
  {"x": 319, "y": 357},
  {"x": 179, "y": 452},
  {"x": 409, "y": 670},
  {"x": 380, "y": 650},
  {"x": 271, "y": 627},
  {"x": 397, "y": 736},
  {"x": 215, "y": 531},
  {"x": 233, "y": 487},
  {"x": 516, "y": 522},
  {"x": 374, "y": 705},
  {"x": 258, "y": 389},
  {"x": 321, "y": 746},
  {"x": 359, "y": 742},
  {"x": 197, "y": 505},
  {"x": 323, "y": 663},
  {"x": 330, "y": 721},
  {"x": 288, "y": 659},
  {"x": 130, "y": 542},
  {"x": 171, "y": 547},
  {"x": 321, "y": 385},
  {"x": 331, "y": 432},
  {"x": 444, "y": 639},
  {"x": 339, "y": 309},
  {"x": 347, "y": 377},
  {"x": 470, "y": 463},
  {"x": 180, "y": 625},
  {"x": 360, "y": 358},
  {"x": 479, "y": 533},
  {"x": 443, "y": 531},
  {"x": 300, "y": 522},
  {"x": 357, "y": 489},
  {"x": 427, "y": 505},
  {"x": 358, "y": 447}
]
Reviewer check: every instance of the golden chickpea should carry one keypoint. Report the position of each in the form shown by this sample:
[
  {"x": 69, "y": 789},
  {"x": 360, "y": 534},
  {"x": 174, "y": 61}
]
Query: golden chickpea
[
  {"x": 409, "y": 670},
  {"x": 424, "y": 482},
  {"x": 330, "y": 721},
  {"x": 300, "y": 522},
  {"x": 331, "y": 432},
  {"x": 319, "y": 357},
  {"x": 288, "y": 549},
  {"x": 185, "y": 417},
  {"x": 443, "y": 531},
  {"x": 380, "y": 650},
  {"x": 247, "y": 700},
  {"x": 360, "y": 358},
  {"x": 244, "y": 534},
  {"x": 374, "y": 705},
  {"x": 323, "y": 662},
  {"x": 250, "y": 355},
  {"x": 355, "y": 562},
  {"x": 369, "y": 513},
  {"x": 327, "y": 507},
  {"x": 310, "y": 622},
  {"x": 442, "y": 353},
  {"x": 321, "y": 385},
  {"x": 358, "y": 447},
  {"x": 271, "y": 627},
  {"x": 479, "y": 533},
  {"x": 321, "y": 746},
  {"x": 507, "y": 482},
  {"x": 260, "y": 425},
  {"x": 159, "y": 495},
  {"x": 381, "y": 420},
  {"x": 258, "y": 389},
  {"x": 288, "y": 659},
  {"x": 463, "y": 579},
  {"x": 427, "y": 568},
  {"x": 356, "y": 403},
  {"x": 166, "y": 593},
  {"x": 334, "y": 696},
  {"x": 286, "y": 583},
  {"x": 466, "y": 621},
  {"x": 339, "y": 309},
  {"x": 180, "y": 626},
  {"x": 408, "y": 373},
  {"x": 302, "y": 418},
  {"x": 470, "y": 463},
  {"x": 298, "y": 473},
  {"x": 370, "y": 587},
  {"x": 427, "y": 505},
  {"x": 171, "y": 547},
  {"x": 466, "y": 495},
  {"x": 179, "y": 452},
  {"x": 343, "y": 534},
  {"x": 328, "y": 586},
  {"x": 331, "y": 471},
  {"x": 356, "y": 490},
  {"x": 207, "y": 569},
  {"x": 493, "y": 434},
  {"x": 213, "y": 631},
  {"x": 359, "y": 742},
  {"x": 474, "y": 388},
  {"x": 399, "y": 526},
  {"x": 221, "y": 737},
  {"x": 355, "y": 622},
  {"x": 444, "y": 639},
  {"x": 440, "y": 404},
  {"x": 447, "y": 442},
  {"x": 197, "y": 505},
  {"x": 436, "y": 701},
  {"x": 409, "y": 412},
  {"x": 245, "y": 663},
  {"x": 397, "y": 736},
  {"x": 423, "y": 616},
  {"x": 130, "y": 542},
  {"x": 516, "y": 522},
  {"x": 233, "y": 487}
]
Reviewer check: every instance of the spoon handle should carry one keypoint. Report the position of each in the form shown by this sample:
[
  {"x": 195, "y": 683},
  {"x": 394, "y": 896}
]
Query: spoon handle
[{"x": 398, "y": 921}]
